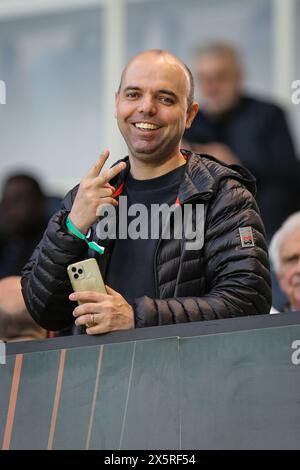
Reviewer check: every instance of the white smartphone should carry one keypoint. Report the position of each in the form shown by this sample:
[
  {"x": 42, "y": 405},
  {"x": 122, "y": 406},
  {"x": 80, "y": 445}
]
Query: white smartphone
[{"x": 85, "y": 276}]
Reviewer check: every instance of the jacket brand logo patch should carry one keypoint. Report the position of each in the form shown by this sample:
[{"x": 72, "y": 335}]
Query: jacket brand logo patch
[{"x": 246, "y": 235}]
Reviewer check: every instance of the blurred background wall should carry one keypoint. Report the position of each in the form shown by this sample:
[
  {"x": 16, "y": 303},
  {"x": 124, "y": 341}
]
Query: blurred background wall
[{"x": 61, "y": 61}]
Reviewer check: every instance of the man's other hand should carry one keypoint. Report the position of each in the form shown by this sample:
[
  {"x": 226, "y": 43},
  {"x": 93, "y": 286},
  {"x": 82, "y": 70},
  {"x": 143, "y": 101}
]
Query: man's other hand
[{"x": 102, "y": 313}]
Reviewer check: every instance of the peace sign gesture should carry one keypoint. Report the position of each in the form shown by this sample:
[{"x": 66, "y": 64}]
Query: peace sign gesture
[{"x": 94, "y": 190}]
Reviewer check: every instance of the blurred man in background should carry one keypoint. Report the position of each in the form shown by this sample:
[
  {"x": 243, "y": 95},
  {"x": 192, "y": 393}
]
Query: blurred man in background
[
  {"x": 23, "y": 215},
  {"x": 240, "y": 129},
  {"x": 285, "y": 257}
]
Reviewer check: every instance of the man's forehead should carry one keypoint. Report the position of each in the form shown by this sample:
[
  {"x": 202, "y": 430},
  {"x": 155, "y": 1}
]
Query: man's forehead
[{"x": 154, "y": 68}]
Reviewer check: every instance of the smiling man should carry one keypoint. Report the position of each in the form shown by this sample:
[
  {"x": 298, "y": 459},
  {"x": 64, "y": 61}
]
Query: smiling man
[
  {"x": 155, "y": 281},
  {"x": 154, "y": 106}
]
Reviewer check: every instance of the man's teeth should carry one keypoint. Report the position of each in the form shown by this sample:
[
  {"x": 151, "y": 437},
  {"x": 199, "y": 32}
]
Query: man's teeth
[{"x": 146, "y": 125}]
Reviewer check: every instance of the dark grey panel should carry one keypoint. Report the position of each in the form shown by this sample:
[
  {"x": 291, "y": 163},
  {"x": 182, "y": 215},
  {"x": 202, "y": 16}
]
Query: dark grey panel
[
  {"x": 76, "y": 398},
  {"x": 6, "y": 376},
  {"x": 35, "y": 400},
  {"x": 240, "y": 390},
  {"x": 152, "y": 416},
  {"x": 111, "y": 398},
  {"x": 232, "y": 390},
  {"x": 166, "y": 331}
]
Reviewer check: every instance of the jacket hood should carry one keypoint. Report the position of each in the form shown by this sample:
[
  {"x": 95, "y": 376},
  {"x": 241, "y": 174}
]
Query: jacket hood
[{"x": 204, "y": 173}]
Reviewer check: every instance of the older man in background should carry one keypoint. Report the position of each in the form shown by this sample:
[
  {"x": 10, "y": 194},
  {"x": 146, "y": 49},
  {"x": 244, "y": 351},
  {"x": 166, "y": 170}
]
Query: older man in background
[
  {"x": 285, "y": 257},
  {"x": 241, "y": 129}
]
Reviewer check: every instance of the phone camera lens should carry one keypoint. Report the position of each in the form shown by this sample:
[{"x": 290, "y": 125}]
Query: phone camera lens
[
  {"x": 76, "y": 276},
  {"x": 80, "y": 271},
  {"x": 73, "y": 270}
]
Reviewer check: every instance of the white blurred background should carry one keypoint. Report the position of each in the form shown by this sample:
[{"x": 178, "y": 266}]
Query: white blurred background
[{"x": 61, "y": 61}]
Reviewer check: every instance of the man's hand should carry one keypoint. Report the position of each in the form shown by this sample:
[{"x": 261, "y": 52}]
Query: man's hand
[
  {"x": 108, "y": 312},
  {"x": 94, "y": 190}
]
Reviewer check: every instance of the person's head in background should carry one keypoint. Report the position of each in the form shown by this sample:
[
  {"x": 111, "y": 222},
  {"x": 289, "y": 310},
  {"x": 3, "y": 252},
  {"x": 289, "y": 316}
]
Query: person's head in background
[
  {"x": 15, "y": 322},
  {"x": 23, "y": 205},
  {"x": 219, "y": 73},
  {"x": 285, "y": 258}
]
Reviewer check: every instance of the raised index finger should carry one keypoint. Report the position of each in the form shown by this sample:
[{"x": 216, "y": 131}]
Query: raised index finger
[{"x": 97, "y": 167}]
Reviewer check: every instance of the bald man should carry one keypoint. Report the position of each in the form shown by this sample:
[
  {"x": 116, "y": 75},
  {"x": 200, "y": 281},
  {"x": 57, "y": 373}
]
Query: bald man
[
  {"x": 206, "y": 259},
  {"x": 238, "y": 128}
]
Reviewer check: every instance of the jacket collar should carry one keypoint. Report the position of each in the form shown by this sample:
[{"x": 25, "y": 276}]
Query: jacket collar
[{"x": 204, "y": 173}]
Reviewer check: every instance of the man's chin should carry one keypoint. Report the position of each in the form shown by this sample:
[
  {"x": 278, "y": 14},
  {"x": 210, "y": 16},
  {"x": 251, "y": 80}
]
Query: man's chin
[{"x": 144, "y": 153}]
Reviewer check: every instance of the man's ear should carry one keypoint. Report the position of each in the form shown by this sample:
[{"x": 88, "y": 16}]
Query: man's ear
[{"x": 191, "y": 113}]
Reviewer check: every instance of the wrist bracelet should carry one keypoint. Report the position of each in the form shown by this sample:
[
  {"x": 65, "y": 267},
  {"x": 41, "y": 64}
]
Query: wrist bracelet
[{"x": 93, "y": 245}]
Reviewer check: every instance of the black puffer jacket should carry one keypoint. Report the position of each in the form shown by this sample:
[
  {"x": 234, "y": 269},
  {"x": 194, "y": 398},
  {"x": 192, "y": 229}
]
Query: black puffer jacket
[{"x": 222, "y": 279}]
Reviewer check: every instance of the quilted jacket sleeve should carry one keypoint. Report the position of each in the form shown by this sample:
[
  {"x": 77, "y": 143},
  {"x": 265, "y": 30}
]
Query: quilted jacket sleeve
[
  {"x": 45, "y": 283},
  {"x": 237, "y": 278}
]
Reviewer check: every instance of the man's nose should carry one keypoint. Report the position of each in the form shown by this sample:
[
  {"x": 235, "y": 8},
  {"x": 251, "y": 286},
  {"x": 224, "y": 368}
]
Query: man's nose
[{"x": 147, "y": 105}]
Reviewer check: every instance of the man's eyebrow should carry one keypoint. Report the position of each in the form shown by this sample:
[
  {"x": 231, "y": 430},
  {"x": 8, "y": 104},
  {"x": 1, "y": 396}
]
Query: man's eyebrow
[
  {"x": 131, "y": 88},
  {"x": 165, "y": 91},
  {"x": 168, "y": 92},
  {"x": 290, "y": 257}
]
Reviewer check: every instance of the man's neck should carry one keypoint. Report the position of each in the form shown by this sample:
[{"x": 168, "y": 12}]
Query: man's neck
[{"x": 144, "y": 171}]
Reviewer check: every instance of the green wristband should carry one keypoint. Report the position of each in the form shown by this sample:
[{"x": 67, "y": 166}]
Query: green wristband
[{"x": 92, "y": 245}]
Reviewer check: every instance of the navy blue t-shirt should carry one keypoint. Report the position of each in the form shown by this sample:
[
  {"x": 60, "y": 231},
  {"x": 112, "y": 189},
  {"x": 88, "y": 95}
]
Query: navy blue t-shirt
[{"x": 131, "y": 268}]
